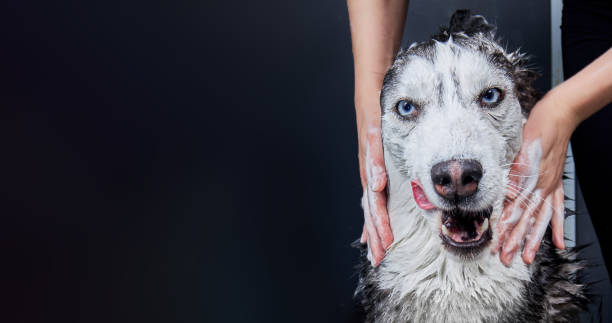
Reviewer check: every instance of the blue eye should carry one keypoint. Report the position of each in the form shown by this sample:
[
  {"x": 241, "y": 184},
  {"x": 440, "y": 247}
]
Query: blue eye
[
  {"x": 491, "y": 96},
  {"x": 405, "y": 108}
]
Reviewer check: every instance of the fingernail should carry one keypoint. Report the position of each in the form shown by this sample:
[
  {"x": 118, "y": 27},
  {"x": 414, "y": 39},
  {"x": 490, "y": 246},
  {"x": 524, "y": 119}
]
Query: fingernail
[
  {"x": 388, "y": 245},
  {"x": 507, "y": 258},
  {"x": 511, "y": 194},
  {"x": 375, "y": 263},
  {"x": 376, "y": 183},
  {"x": 494, "y": 248}
]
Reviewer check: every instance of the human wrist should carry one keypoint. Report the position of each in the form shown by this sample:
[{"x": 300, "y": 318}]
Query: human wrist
[
  {"x": 368, "y": 83},
  {"x": 564, "y": 110},
  {"x": 367, "y": 106}
]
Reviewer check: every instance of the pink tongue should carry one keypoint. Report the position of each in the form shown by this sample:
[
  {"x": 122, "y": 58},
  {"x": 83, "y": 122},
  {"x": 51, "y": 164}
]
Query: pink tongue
[
  {"x": 420, "y": 197},
  {"x": 464, "y": 236}
]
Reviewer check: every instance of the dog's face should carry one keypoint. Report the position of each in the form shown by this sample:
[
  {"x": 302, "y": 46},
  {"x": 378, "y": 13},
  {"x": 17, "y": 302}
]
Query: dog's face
[{"x": 451, "y": 123}]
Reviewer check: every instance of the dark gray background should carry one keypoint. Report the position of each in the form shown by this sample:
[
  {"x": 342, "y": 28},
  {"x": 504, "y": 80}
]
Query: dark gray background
[{"x": 191, "y": 161}]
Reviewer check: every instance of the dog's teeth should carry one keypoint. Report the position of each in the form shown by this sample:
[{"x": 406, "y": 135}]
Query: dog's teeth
[
  {"x": 485, "y": 226},
  {"x": 445, "y": 230}
]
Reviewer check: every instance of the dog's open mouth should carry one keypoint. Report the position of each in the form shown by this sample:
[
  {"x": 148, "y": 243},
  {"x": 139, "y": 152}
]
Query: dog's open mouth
[{"x": 466, "y": 232}]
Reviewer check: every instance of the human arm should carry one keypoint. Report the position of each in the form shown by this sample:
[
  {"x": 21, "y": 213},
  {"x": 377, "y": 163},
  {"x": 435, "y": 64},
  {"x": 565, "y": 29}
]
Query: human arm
[
  {"x": 376, "y": 32},
  {"x": 536, "y": 192}
]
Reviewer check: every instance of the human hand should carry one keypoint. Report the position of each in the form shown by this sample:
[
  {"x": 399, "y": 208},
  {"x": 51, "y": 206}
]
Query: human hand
[
  {"x": 376, "y": 230},
  {"x": 535, "y": 190}
]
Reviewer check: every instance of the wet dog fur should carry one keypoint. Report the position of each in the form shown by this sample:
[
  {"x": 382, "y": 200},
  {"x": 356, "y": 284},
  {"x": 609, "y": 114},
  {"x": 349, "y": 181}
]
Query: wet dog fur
[{"x": 421, "y": 279}]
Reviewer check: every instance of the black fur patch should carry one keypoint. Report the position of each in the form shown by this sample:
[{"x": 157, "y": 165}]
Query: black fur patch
[{"x": 552, "y": 295}]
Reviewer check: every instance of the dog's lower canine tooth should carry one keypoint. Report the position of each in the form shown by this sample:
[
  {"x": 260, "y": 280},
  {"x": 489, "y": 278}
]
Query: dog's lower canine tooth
[
  {"x": 485, "y": 226},
  {"x": 445, "y": 230}
]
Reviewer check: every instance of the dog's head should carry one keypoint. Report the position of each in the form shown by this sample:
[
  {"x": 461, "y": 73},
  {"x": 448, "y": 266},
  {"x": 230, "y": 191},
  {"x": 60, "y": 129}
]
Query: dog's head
[{"x": 452, "y": 115}]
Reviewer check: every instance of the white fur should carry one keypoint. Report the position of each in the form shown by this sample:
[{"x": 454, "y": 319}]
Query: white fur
[{"x": 441, "y": 286}]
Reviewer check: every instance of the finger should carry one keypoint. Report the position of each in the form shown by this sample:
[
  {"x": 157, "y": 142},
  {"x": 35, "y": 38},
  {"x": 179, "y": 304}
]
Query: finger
[
  {"x": 558, "y": 217},
  {"x": 380, "y": 216},
  {"x": 534, "y": 238},
  {"x": 510, "y": 216},
  {"x": 364, "y": 235},
  {"x": 376, "y": 253},
  {"x": 375, "y": 248},
  {"x": 517, "y": 235},
  {"x": 374, "y": 161},
  {"x": 380, "y": 181},
  {"x": 501, "y": 228}
]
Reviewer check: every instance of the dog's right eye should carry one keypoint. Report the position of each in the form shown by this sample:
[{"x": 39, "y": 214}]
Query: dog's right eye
[
  {"x": 491, "y": 97},
  {"x": 405, "y": 108}
]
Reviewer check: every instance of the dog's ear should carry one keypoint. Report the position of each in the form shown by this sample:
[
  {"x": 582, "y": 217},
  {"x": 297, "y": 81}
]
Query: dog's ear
[
  {"x": 523, "y": 78},
  {"x": 463, "y": 22}
]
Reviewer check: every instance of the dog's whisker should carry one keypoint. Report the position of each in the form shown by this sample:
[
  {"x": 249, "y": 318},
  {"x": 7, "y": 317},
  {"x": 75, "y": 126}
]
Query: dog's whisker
[
  {"x": 524, "y": 201},
  {"x": 531, "y": 169},
  {"x": 518, "y": 189},
  {"x": 523, "y": 176},
  {"x": 526, "y": 198},
  {"x": 518, "y": 186},
  {"x": 535, "y": 176},
  {"x": 531, "y": 197},
  {"x": 513, "y": 163}
]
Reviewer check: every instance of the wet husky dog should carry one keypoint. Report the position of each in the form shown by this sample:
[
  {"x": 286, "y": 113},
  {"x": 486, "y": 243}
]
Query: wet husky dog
[{"x": 452, "y": 114}]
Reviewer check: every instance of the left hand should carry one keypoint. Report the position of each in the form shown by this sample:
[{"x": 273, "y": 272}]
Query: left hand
[{"x": 535, "y": 191}]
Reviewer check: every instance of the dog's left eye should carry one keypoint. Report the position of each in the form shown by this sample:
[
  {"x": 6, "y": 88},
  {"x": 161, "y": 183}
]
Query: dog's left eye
[{"x": 491, "y": 96}]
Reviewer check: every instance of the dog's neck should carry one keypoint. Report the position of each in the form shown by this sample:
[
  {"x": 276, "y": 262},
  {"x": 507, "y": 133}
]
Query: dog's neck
[{"x": 417, "y": 269}]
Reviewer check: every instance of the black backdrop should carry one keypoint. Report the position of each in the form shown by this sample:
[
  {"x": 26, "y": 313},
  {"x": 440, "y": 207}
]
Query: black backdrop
[{"x": 190, "y": 161}]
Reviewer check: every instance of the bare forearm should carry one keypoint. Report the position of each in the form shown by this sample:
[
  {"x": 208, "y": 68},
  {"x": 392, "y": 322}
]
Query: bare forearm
[
  {"x": 586, "y": 92},
  {"x": 376, "y": 31}
]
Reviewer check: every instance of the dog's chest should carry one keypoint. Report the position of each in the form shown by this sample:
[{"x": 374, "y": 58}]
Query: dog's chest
[{"x": 417, "y": 282}]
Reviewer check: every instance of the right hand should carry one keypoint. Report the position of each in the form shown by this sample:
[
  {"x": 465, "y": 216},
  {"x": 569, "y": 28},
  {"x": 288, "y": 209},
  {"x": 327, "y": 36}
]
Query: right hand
[{"x": 376, "y": 230}]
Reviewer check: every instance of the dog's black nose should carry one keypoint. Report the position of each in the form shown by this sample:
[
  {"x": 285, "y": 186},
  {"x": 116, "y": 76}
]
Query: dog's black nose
[{"x": 456, "y": 179}]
